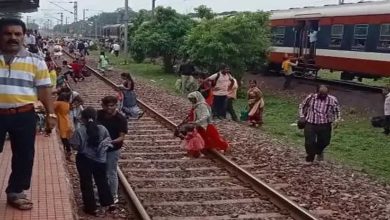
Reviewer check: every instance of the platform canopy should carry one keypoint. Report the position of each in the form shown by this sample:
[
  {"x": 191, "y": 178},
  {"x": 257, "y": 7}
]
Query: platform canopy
[{"x": 18, "y": 6}]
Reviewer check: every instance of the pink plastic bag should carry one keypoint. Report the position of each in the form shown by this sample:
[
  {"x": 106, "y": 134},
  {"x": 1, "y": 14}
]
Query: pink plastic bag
[{"x": 193, "y": 141}]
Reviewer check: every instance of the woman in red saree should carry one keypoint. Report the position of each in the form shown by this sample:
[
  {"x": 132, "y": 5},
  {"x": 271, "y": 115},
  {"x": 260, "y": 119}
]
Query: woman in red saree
[
  {"x": 200, "y": 115},
  {"x": 255, "y": 104}
]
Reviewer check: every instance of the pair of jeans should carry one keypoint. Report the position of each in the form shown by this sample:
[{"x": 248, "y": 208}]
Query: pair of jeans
[
  {"x": 21, "y": 128},
  {"x": 88, "y": 169},
  {"x": 230, "y": 109},
  {"x": 317, "y": 138},
  {"x": 112, "y": 175},
  {"x": 219, "y": 106}
]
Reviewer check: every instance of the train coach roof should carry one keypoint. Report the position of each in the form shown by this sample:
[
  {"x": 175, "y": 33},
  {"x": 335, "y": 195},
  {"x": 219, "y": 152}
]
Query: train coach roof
[{"x": 348, "y": 9}]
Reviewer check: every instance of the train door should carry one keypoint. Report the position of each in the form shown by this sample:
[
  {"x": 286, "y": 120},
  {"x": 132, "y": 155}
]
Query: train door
[
  {"x": 305, "y": 38},
  {"x": 313, "y": 29},
  {"x": 299, "y": 38}
]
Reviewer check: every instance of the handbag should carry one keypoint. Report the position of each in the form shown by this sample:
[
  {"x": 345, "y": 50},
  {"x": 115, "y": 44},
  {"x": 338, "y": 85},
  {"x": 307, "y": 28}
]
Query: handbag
[
  {"x": 378, "y": 121},
  {"x": 301, "y": 123},
  {"x": 244, "y": 115}
]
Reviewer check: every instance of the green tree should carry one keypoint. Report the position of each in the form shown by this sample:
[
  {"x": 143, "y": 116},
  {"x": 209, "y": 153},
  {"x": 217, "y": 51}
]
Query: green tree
[
  {"x": 140, "y": 18},
  {"x": 161, "y": 37},
  {"x": 240, "y": 41},
  {"x": 204, "y": 12}
]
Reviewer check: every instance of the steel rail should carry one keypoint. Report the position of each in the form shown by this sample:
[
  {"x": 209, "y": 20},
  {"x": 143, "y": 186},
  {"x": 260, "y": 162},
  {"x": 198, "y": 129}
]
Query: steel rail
[
  {"x": 141, "y": 211},
  {"x": 278, "y": 199},
  {"x": 351, "y": 85}
]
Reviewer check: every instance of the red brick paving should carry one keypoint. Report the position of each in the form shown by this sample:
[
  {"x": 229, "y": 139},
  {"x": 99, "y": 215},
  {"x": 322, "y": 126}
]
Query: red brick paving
[{"x": 50, "y": 188}]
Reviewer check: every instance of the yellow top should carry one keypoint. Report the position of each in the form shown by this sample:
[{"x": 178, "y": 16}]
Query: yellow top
[{"x": 287, "y": 67}]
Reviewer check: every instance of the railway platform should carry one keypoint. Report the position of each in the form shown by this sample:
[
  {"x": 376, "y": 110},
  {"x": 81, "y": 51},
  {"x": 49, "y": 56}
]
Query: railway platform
[{"x": 50, "y": 188}]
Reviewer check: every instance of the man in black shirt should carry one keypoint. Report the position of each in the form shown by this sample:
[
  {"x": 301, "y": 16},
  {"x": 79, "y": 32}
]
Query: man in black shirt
[{"x": 116, "y": 125}]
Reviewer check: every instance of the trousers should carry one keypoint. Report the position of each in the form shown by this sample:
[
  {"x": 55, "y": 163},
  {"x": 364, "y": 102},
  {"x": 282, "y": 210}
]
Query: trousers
[
  {"x": 317, "y": 138},
  {"x": 287, "y": 82},
  {"x": 112, "y": 175},
  {"x": 87, "y": 170},
  {"x": 220, "y": 106},
  {"x": 387, "y": 124},
  {"x": 230, "y": 109},
  {"x": 21, "y": 128}
]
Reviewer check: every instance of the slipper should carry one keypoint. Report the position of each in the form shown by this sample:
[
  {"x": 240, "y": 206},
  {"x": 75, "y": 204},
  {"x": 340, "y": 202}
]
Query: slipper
[
  {"x": 140, "y": 115},
  {"x": 20, "y": 203}
]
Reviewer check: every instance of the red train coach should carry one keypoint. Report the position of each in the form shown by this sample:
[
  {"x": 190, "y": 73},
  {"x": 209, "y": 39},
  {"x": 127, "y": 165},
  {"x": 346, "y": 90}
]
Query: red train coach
[{"x": 351, "y": 38}]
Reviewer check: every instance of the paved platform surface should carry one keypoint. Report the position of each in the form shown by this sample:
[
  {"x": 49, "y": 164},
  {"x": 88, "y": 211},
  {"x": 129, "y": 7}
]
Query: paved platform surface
[{"x": 50, "y": 190}]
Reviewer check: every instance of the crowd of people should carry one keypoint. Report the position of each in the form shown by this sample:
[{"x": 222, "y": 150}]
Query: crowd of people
[
  {"x": 41, "y": 93},
  {"x": 98, "y": 135},
  {"x": 212, "y": 98}
]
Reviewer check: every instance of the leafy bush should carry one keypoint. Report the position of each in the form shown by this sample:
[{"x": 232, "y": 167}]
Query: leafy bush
[{"x": 241, "y": 41}]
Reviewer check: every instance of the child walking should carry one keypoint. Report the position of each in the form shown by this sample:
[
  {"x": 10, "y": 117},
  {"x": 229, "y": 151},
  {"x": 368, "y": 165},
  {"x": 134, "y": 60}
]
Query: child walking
[{"x": 91, "y": 141}]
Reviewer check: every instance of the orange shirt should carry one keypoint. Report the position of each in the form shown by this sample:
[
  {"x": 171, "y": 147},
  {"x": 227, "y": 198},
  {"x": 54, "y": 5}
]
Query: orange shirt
[{"x": 62, "y": 111}]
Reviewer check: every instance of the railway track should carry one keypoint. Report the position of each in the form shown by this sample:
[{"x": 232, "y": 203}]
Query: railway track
[
  {"x": 336, "y": 83},
  {"x": 164, "y": 184},
  {"x": 341, "y": 83}
]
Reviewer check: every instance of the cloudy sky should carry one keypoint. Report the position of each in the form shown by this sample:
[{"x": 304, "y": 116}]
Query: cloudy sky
[{"x": 48, "y": 10}]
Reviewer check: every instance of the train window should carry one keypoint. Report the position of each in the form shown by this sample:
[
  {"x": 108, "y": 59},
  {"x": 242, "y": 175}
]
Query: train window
[
  {"x": 384, "y": 38},
  {"x": 278, "y": 34},
  {"x": 360, "y": 36},
  {"x": 337, "y": 33}
]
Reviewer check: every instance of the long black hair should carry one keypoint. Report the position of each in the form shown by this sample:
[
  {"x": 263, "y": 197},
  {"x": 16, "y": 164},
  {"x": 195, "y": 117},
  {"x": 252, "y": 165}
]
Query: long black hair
[
  {"x": 64, "y": 96},
  {"x": 89, "y": 115},
  {"x": 128, "y": 78}
]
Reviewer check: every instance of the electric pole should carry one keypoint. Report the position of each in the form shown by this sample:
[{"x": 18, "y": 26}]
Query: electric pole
[
  {"x": 341, "y": 2},
  {"x": 75, "y": 11},
  {"x": 83, "y": 26},
  {"x": 126, "y": 20},
  {"x": 62, "y": 21},
  {"x": 66, "y": 22},
  {"x": 153, "y": 7},
  {"x": 28, "y": 21}
]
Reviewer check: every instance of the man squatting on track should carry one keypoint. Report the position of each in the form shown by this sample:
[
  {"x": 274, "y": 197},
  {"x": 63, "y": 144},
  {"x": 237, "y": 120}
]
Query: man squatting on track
[{"x": 19, "y": 90}]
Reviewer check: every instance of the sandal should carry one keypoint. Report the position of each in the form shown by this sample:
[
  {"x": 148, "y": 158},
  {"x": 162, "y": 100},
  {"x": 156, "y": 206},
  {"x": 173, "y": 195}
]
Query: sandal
[
  {"x": 140, "y": 115},
  {"x": 20, "y": 203}
]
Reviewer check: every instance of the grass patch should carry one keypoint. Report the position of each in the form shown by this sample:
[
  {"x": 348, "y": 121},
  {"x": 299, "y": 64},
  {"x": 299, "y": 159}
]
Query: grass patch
[
  {"x": 354, "y": 142},
  {"x": 143, "y": 71}
]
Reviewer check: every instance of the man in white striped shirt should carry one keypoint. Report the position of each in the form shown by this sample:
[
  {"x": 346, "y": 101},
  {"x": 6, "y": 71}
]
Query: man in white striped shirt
[{"x": 24, "y": 78}]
